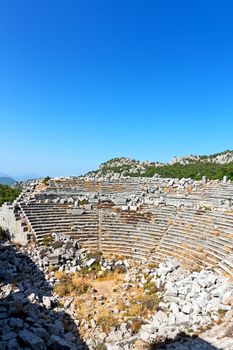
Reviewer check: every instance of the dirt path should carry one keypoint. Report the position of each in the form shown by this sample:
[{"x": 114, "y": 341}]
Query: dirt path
[{"x": 104, "y": 288}]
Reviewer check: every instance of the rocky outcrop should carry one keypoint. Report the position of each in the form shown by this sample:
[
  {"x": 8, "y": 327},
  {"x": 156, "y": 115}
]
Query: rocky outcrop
[{"x": 218, "y": 158}]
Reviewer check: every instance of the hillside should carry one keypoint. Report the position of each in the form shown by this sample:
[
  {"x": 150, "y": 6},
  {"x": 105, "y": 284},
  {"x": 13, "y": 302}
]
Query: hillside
[
  {"x": 8, "y": 194},
  {"x": 5, "y": 180},
  {"x": 225, "y": 157},
  {"x": 213, "y": 166}
]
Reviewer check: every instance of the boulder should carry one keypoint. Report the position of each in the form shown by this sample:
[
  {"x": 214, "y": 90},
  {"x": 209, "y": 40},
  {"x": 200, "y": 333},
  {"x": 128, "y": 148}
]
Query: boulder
[
  {"x": 56, "y": 343},
  {"x": 32, "y": 340}
]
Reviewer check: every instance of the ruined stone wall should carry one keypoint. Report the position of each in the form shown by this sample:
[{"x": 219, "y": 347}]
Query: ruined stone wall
[{"x": 13, "y": 224}]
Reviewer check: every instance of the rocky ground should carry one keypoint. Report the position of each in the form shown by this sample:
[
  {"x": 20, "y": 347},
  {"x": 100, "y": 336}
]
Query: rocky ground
[{"x": 61, "y": 297}]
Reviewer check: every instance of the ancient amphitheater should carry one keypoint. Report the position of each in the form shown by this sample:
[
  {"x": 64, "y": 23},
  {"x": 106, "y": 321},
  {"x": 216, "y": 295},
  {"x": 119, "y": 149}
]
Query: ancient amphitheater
[
  {"x": 139, "y": 218},
  {"x": 185, "y": 222}
]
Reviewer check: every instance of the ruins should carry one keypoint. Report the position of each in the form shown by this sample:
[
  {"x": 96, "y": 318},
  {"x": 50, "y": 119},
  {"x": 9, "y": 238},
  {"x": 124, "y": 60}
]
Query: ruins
[
  {"x": 177, "y": 231},
  {"x": 135, "y": 217}
]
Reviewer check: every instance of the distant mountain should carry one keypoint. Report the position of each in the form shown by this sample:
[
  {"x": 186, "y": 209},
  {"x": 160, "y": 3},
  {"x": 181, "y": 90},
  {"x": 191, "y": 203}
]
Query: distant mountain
[
  {"x": 214, "y": 166},
  {"x": 5, "y": 180}
]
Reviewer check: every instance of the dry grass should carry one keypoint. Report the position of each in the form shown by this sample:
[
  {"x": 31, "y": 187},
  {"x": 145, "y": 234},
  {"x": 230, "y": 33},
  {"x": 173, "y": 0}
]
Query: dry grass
[
  {"x": 71, "y": 285},
  {"x": 150, "y": 288},
  {"x": 60, "y": 275},
  {"x": 141, "y": 304},
  {"x": 108, "y": 311},
  {"x": 152, "y": 266},
  {"x": 106, "y": 321},
  {"x": 136, "y": 325}
]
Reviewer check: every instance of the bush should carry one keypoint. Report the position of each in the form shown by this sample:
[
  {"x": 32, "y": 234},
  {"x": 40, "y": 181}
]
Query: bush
[
  {"x": 136, "y": 325},
  {"x": 69, "y": 284},
  {"x": 150, "y": 288},
  {"x": 83, "y": 202},
  {"x": 48, "y": 240},
  {"x": 142, "y": 304},
  {"x": 46, "y": 180},
  {"x": 106, "y": 321}
]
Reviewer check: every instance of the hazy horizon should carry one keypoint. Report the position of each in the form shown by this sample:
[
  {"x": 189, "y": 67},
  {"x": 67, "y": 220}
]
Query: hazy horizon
[{"x": 34, "y": 175}]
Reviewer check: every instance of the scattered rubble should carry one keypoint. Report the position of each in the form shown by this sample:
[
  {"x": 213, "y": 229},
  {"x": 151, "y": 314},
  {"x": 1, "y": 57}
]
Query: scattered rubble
[{"x": 170, "y": 301}]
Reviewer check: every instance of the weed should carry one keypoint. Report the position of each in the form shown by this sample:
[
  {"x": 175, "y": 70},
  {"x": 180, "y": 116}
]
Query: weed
[
  {"x": 48, "y": 240},
  {"x": 106, "y": 321},
  {"x": 136, "y": 324}
]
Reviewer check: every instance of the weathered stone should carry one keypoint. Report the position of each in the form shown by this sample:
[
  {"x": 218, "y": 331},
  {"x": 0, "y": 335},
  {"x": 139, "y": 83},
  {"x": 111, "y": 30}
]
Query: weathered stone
[
  {"x": 3, "y": 315},
  {"x": 47, "y": 302},
  {"x": 68, "y": 302},
  {"x": 3, "y": 345},
  {"x": 187, "y": 309},
  {"x": 12, "y": 344},
  {"x": 56, "y": 342},
  {"x": 90, "y": 262},
  {"x": 182, "y": 319},
  {"x": 32, "y": 340},
  {"x": 16, "y": 323},
  {"x": 9, "y": 335}
]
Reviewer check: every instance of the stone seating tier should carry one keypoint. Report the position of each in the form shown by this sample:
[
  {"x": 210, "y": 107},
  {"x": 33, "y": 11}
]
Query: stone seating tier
[{"x": 199, "y": 238}]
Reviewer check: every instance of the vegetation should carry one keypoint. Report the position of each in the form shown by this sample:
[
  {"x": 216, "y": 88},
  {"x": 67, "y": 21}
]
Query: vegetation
[
  {"x": 136, "y": 324},
  {"x": 83, "y": 202},
  {"x": 71, "y": 284},
  {"x": 8, "y": 194},
  {"x": 106, "y": 321},
  {"x": 150, "y": 288},
  {"x": 141, "y": 304},
  {"x": 48, "y": 240},
  {"x": 116, "y": 169},
  {"x": 194, "y": 170},
  {"x": 45, "y": 180},
  {"x": 135, "y": 305}
]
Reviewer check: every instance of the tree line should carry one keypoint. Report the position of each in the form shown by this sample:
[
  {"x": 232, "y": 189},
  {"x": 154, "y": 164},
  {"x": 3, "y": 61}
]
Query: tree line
[
  {"x": 194, "y": 170},
  {"x": 8, "y": 194}
]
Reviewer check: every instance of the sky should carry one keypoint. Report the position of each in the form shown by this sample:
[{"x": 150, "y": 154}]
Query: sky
[{"x": 82, "y": 82}]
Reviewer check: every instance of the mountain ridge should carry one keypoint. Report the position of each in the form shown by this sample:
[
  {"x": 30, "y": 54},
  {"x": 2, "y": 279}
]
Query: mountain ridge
[
  {"x": 214, "y": 166},
  {"x": 6, "y": 180}
]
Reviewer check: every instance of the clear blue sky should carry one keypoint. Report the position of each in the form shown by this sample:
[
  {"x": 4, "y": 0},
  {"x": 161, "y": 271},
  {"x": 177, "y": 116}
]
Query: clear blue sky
[{"x": 82, "y": 81}]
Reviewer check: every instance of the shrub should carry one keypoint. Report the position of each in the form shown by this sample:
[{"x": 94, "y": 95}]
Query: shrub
[
  {"x": 150, "y": 288},
  {"x": 83, "y": 201},
  {"x": 142, "y": 304},
  {"x": 136, "y": 324},
  {"x": 48, "y": 240},
  {"x": 70, "y": 284},
  {"x": 45, "y": 181},
  {"x": 106, "y": 321}
]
